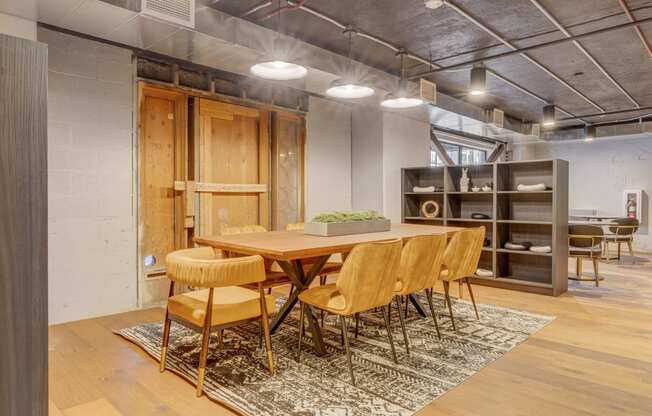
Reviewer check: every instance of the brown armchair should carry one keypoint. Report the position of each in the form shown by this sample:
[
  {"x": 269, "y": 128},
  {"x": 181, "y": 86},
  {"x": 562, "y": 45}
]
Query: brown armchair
[
  {"x": 585, "y": 242},
  {"x": 622, "y": 232}
]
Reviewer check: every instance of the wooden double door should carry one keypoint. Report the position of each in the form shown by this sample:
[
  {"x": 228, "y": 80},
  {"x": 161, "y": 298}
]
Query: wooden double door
[{"x": 205, "y": 165}]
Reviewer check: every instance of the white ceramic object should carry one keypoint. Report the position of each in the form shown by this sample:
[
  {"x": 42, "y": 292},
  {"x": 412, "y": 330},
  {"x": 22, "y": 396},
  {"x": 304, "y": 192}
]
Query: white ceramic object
[
  {"x": 531, "y": 188},
  {"x": 541, "y": 249},
  {"x": 430, "y": 214},
  {"x": 486, "y": 188},
  {"x": 423, "y": 189},
  {"x": 464, "y": 180},
  {"x": 475, "y": 189},
  {"x": 330, "y": 229},
  {"x": 484, "y": 273}
]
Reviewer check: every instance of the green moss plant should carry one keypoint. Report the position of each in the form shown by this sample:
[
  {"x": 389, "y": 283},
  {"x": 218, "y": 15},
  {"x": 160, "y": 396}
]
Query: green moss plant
[{"x": 350, "y": 216}]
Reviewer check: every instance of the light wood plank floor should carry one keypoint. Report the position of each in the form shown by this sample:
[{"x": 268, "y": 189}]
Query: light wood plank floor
[{"x": 594, "y": 359}]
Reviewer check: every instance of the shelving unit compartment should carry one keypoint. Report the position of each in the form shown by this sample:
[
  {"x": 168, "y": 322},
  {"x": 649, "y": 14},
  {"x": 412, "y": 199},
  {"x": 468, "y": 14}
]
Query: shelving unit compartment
[
  {"x": 423, "y": 177},
  {"x": 537, "y": 234},
  {"x": 510, "y": 175},
  {"x": 464, "y": 204},
  {"x": 478, "y": 174},
  {"x": 413, "y": 202},
  {"x": 523, "y": 267},
  {"x": 486, "y": 261},
  {"x": 525, "y": 206}
]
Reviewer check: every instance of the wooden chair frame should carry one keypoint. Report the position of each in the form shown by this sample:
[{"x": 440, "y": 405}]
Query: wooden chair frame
[
  {"x": 629, "y": 240},
  {"x": 207, "y": 329},
  {"x": 596, "y": 240}
]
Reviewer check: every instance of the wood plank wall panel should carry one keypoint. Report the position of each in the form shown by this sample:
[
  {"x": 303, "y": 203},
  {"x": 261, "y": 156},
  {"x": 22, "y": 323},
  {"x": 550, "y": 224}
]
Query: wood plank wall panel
[
  {"x": 230, "y": 153},
  {"x": 23, "y": 227}
]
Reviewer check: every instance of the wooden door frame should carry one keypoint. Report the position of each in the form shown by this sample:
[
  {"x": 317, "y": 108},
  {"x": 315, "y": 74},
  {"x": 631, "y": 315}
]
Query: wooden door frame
[{"x": 180, "y": 100}]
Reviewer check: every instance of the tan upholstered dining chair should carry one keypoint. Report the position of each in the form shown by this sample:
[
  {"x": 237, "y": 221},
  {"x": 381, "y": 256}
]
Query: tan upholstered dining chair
[
  {"x": 221, "y": 304},
  {"x": 366, "y": 281},
  {"x": 419, "y": 269},
  {"x": 460, "y": 261},
  {"x": 585, "y": 242}
]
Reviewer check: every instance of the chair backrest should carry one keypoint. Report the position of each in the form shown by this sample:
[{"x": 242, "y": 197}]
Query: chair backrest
[
  {"x": 201, "y": 267},
  {"x": 584, "y": 236},
  {"x": 368, "y": 275},
  {"x": 463, "y": 252},
  {"x": 297, "y": 226},
  {"x": 625, "y": 226},
  {"x": 245, "y": 229},
  {"x": 420, "y": 264}
]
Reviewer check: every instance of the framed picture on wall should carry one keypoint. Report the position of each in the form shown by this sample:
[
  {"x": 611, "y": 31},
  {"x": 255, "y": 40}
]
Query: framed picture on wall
[{"x": 632, "y": 203}]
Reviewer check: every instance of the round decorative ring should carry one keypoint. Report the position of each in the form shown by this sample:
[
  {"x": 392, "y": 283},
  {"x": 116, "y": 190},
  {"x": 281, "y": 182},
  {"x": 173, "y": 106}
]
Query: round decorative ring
[{"x": 430, "y": 209}]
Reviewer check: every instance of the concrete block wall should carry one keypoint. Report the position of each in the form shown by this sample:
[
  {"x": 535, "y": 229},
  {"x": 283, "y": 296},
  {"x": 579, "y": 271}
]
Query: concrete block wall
[{"x": 91, "y": 168}]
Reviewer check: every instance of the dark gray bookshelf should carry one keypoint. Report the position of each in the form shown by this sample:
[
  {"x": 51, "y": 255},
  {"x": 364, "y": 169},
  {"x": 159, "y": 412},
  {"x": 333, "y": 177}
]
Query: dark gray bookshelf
[{"x": 540, "y": 217}]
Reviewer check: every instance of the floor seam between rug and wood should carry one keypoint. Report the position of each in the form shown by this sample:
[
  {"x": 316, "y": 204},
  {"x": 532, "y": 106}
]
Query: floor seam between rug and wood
[{"x": 236, "y": 377}]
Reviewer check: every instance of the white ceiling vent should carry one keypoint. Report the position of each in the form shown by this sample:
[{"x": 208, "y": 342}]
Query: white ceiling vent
[
  {"x": 428, "y": 91},
  {"x": 181, "y": 12}
]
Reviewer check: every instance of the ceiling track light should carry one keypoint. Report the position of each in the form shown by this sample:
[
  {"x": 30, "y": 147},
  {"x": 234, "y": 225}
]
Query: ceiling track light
[
  {"x": 348, "y": 87},
  {"x": 478, "y": 84},
  {"x": 590, "y": 133},
  {"x": 548, "y": 116},
  {"x": 277, "y": 66},
  {"x": 401, "y": 97}
]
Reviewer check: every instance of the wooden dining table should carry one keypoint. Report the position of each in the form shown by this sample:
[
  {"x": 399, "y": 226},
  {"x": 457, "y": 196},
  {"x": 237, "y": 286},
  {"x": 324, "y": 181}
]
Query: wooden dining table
[{"x": 302, "y": 257}]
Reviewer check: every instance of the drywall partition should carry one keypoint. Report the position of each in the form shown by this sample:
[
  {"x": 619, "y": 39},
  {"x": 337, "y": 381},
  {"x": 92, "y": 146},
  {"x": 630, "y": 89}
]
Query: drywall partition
[
  {"x": 406, "y": 143},
  {"x": 367, "y": 158},
  {"x": 599, "y": 172},
  {"x": 328, "y": 157},
  {"x": 91, "y": 184}
]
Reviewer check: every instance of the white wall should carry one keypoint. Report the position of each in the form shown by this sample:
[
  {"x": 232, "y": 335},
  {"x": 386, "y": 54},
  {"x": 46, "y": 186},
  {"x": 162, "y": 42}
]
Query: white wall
[
  {"x": 600, "y": 171},
  {"x": 366, "y": 159},
  {"x": 92, "y": 216},
  {"x": 17, "y": 26},
  {"x": 406, "y": 143},
  {"x": 328, "y": 157}
]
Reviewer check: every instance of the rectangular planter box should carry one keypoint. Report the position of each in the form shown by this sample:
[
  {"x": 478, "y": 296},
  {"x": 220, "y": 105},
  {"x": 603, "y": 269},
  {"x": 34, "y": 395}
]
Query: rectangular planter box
[{"x": 344, "y": 228}]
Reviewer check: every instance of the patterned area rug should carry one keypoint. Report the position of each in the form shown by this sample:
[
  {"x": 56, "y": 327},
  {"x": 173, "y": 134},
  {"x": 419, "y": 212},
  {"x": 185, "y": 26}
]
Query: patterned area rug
[{"x": 236, "y": 375}]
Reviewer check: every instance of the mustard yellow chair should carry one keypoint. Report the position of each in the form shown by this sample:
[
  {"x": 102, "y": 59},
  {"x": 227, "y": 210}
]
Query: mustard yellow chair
[
  {"x": 366, "y": 281},
  {"x": 222, "y": 304},
  {"x": 419, "y": 269},
  {"x": 297, "y": 226},
  {"x": 460, "y": 261}
]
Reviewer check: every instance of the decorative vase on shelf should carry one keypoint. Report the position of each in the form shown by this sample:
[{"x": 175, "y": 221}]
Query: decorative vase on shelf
[{"x": 464, "y": 180}]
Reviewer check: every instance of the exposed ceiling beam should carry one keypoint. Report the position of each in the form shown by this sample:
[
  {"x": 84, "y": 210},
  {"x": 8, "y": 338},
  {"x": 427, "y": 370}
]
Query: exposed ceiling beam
[
  {"x": 607, "y": 113},
  {"x": 638, "y": 30},
  {"x": 586, "y": 53},
  {"x": 416, "y": 57},
  {"x": 496, "y": 153},
  {"x": 501, "y": 55},
  {"x": 505, "y": 42}
]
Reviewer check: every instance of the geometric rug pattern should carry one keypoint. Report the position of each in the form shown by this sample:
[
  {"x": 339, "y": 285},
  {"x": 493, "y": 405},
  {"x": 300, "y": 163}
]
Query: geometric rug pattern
[{"x": 236, "y": 374}]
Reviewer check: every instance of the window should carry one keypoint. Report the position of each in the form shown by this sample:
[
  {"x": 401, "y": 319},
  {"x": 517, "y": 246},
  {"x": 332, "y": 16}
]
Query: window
[{"x": 461, "y": 155}]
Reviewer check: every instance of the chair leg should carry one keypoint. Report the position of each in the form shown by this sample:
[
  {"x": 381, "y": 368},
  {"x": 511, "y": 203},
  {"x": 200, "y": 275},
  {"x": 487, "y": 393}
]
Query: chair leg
[
  {"x": 357, "y": 323},
  {"x": 461, "y": 290},
  {"x": 206, "y": 335},
  {"x": 595, "y": 270},
  {"x": 300, "y": 329},
  {"x": 268, "y": 338},
  {"x": 619, "y": 250},
  {"x": 400, "y": 317},
  {"x": 432, "y": 311},
  {"x": 345, "y": 337},
  {"x": 322, "y": 282},
  {"x": 631, "y": 249},
  {"x": 389, "y": 331},
  {"x": 166, "y": 332},
  {"x": 447, "y": 286},
  {"x": 475, "y": 308},
  {"x": 166, "y": 341}
]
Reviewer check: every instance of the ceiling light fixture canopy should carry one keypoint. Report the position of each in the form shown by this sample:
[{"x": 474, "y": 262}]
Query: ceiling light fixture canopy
[
  {"x": 278, "y": 66},
  {"x": 401, "y": 98},
  {"x": 478, "y": 84},
  {"x": 548, "y": 116},
  {"x": 349, "y": 87}
]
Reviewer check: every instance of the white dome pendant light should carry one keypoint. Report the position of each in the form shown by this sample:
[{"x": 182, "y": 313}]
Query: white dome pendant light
[
  {"x": 347, "y": 87},
  {"x": 277, "y": 66},
  {"x": 401, "y": 98}
]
